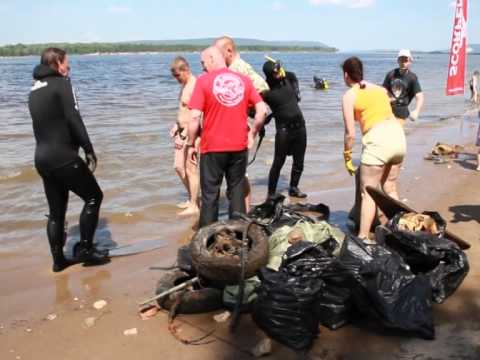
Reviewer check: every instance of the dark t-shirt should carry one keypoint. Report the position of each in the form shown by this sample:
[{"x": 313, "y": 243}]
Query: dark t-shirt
[{"x": 402, "y": 86}]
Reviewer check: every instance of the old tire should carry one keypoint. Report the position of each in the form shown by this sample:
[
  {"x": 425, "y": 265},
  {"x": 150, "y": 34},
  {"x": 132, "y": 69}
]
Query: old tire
[
  {"x": 226, "y": 270},
  {"x": 198, "y": 300}
]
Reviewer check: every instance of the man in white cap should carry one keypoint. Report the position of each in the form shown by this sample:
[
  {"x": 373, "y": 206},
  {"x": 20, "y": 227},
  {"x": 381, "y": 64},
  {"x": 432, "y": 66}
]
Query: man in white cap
[{"x": 402, "y": 85}]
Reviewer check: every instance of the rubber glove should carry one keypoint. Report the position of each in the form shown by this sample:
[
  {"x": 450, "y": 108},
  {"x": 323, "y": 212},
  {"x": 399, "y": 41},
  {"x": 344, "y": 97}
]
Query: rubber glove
[
  {"x": 91, "y": 160},
  {"x": 413, "y": 115},
  {"x": 347, "y": 156}
]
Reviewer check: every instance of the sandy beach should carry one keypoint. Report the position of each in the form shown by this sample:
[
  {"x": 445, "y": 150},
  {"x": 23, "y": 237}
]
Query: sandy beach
[{"x": 42, "y": 315}]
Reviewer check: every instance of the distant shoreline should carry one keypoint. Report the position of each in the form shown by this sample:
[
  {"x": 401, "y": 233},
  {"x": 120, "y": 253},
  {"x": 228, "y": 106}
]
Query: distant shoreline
[{"x": 134, "y": 48}]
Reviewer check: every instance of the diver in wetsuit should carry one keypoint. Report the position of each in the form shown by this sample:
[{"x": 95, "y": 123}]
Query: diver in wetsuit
[
  {"x": 291, "y": 136},
  {"x": 59, "y": 132}
]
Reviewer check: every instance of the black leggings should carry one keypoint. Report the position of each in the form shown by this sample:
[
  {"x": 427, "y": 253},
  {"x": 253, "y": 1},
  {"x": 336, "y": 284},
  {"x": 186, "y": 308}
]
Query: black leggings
[
  {"x": 213, "y": 167},
  {"x": 288, "y": 142},
  {"x": 75, "y": 177}
]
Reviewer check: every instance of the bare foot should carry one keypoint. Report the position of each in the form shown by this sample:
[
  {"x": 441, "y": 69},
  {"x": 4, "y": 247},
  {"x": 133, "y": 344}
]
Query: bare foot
[
  {"x": 183, "y": 205},
  {"x": 191, "y": 210}
]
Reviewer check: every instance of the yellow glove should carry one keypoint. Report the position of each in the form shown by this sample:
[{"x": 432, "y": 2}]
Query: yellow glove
[{"x": 347, "y": 156}]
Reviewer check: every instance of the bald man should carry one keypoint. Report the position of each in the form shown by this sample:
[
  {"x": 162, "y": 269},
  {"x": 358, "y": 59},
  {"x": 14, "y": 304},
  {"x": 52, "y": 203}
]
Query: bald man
[
  {"x": 235, "y": 63},
  {"x": 223, "y": 97},
  {"x": 227, "y": 47}
]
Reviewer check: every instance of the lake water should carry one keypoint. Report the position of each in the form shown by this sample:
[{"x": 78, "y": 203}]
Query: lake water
[{"x": 129, "y": 102}]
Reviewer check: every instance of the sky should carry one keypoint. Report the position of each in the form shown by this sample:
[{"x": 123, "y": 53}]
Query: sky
[{"x": 345, "y": 24}]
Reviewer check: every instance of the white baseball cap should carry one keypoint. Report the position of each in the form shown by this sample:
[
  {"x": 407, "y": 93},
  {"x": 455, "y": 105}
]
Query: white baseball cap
[{"x": 406, "y": 53}]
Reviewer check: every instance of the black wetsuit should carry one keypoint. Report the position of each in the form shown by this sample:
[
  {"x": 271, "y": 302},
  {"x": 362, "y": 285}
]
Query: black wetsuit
[
  {"x": 59, "y": 132},
  {"x": 291, "y": 136},
  {"x": 403, "y": 86}
]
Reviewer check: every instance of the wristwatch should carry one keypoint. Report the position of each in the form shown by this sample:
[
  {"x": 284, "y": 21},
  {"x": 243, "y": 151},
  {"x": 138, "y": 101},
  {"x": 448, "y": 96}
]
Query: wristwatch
[{"x": 189, "y": 145}]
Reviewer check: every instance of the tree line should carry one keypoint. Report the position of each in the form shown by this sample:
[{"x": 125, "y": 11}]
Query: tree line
[{"x": 92, "y": 48}]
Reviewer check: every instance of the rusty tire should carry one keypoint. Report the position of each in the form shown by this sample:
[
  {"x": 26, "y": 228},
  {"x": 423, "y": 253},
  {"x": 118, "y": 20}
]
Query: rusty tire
[
  {"x": 226, "y": 270},
  {"x": 194, "y": 301}
]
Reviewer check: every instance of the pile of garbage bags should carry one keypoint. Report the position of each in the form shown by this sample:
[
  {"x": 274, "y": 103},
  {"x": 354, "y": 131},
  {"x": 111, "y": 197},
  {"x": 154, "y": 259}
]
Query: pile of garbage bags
[
  {"x": 313, "y": 274},
  {"x": 392, "y": 284}
]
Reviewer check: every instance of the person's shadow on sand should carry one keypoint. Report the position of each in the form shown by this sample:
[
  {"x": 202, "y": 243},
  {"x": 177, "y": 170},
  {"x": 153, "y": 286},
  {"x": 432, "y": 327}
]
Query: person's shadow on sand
[
  {"x": 103, "y": 237},
  {"x": 465, "y": 213},
  {"x": 468, "y": 161}
]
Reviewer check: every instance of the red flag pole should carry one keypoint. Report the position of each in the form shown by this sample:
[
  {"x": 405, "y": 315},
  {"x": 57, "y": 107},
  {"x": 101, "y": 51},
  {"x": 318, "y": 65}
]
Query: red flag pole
[{"x": 457, "y": 60}]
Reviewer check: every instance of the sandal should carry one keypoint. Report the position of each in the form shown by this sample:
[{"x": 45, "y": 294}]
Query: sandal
[{"x": 368, "y": 241}]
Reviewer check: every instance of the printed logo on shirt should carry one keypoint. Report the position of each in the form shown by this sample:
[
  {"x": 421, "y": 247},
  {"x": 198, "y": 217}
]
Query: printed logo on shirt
[
  {"x": 399, "y": 88},
  {"x": 38, "y": 85},
  {"x": 228, "y": 89}
]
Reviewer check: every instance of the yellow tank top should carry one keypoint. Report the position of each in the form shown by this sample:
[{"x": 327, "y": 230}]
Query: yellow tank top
[{"x": 371, "y": 107}]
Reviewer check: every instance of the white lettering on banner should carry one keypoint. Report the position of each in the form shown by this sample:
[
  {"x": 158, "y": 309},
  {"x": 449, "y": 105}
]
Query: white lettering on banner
[
  {"x": 459, "y": 35},
  {"x": 456, "y": 65}
]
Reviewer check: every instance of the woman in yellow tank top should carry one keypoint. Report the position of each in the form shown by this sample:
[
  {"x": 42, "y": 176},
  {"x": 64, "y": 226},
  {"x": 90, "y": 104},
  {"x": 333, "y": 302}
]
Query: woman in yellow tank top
[{"x": 383, "y": 138}]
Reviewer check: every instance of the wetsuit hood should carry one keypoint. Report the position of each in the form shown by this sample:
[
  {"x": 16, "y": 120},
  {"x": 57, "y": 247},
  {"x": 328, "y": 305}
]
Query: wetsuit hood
[
  {"x": 268, "y": 70},
  {"x": 42, "y": 71}
]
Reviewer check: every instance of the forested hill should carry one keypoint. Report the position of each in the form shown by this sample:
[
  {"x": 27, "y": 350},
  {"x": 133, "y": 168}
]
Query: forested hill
[{"x": 163, "y": 46}]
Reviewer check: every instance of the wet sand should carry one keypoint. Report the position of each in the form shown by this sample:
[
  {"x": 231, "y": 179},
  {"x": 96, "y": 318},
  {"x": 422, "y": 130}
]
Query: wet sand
[{"x": 29, "y": 291}]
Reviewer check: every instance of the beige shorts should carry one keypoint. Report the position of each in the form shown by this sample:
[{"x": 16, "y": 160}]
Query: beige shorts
[{"x": 384, "y": 144}]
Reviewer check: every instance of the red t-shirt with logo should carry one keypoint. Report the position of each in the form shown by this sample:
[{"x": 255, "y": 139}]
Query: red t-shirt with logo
[{"x": 224, "y": 97}]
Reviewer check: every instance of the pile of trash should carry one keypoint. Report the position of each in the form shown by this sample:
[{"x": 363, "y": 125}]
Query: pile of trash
[
  {"x": 294, "y": 271},
  {"x": 443, "y": 153}
]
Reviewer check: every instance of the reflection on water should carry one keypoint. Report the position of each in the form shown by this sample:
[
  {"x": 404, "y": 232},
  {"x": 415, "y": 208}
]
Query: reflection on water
[
  {"x": 129, "y": 102},
  {"x": 62, "y": 289},
  {"x": 93, "y": 284}
]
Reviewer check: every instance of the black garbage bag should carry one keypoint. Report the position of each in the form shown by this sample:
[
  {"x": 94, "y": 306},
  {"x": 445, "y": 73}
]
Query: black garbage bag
[
  {"x": 439, "y": 259},
  {"x": 283, "y": 309},
  {"x": 285, "y": 300},
  {"x": 322, "y": 210},
  {"x": 400, "y": 299},
  {"x": 268, "y": 211},
  {"x": 333, "y": 304},
  {"x": 385, "y": 289},
  {"x": 353, "y": 256},
  {"x": 306, "y": 260},
  {"x": 274, "y": 214}
]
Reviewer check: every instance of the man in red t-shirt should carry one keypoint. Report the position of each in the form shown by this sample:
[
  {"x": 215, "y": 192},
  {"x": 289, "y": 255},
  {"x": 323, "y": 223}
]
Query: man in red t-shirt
[{"x": 223, "y": 97}]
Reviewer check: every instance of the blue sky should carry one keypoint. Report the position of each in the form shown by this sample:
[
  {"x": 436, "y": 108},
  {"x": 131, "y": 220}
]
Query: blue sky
[{"x": 345, "y": 24}]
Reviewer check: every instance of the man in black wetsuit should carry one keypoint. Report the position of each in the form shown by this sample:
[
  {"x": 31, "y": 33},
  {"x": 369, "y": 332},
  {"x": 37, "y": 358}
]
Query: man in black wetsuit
[
  {"x": 291, "y": 136},
  {"x": 402, "y": 85},
  {"x": 59, "y": 132}
]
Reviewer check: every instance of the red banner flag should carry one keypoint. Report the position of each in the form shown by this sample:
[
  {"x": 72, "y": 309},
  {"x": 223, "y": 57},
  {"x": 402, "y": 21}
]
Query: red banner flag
[{"x": 456, "y": 66}]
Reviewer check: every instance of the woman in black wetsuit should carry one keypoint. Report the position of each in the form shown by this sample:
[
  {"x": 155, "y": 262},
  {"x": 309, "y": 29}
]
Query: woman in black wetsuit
[
  {"x": 59, "y": 132},
  {"x": 291, "y": 136}
]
